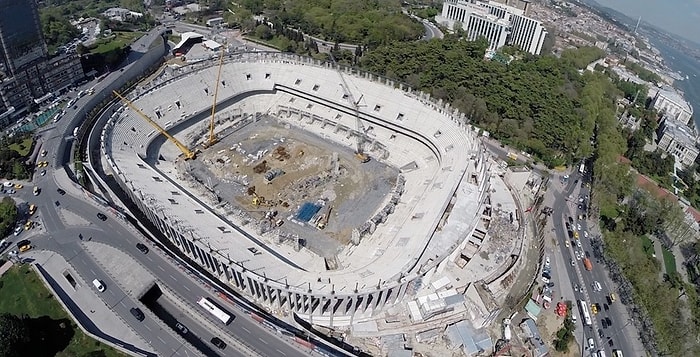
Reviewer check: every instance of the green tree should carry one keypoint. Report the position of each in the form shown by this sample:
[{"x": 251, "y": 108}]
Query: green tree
[{"x": 14, "y": 336}]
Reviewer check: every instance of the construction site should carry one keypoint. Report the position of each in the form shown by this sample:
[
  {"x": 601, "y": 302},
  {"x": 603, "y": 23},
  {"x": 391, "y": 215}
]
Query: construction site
[{"x": 295, "y": 181}]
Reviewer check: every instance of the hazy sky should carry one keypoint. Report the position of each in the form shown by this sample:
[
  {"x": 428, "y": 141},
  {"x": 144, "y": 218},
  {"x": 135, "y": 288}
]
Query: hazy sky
[{"x": 681, "y": 17}]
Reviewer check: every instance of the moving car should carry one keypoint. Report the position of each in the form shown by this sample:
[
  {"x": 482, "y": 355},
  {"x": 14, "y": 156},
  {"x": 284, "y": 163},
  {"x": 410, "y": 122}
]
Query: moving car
[
  {"x": 218, "y": 343},
  {"x": 18, "y": 230},
  {"x": 142, "y": 247},
  {"x": 101, "y": 216},
  {"x": 98, "y": 285},
  {"x": 138, "y": 314}
]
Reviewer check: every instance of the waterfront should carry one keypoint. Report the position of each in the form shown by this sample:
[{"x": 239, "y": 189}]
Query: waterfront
[{"x": 688, "y": 66}]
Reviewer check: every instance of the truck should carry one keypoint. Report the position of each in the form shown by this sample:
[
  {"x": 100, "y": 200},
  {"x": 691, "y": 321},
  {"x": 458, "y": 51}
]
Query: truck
[
  {"x": 513, "y": 156},
  {"x": 587, "y": 264}
]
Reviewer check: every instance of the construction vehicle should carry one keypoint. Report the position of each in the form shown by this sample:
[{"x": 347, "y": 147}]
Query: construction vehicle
[
  {"x": 359, "y": 152},
  {"x": 324, "y": 217},
  {"x": 260, "y": 200},
  {"x": 189, "y": 155},
  {"x": 212, "y": 138}
]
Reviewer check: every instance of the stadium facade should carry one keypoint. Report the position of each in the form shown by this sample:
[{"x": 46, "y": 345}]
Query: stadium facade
[{"x": 424, "y": 224}]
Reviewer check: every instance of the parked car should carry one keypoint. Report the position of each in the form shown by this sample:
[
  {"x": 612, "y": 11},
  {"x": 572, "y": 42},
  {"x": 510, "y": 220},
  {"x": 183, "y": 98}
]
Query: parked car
[
  {"x": 142, "y": 247},
  {"x": 61, "y": 192},
  {"x": 218, "y": 343},
  {"x": 180, "y": 327},
  {"x": 591, "y": 344}
]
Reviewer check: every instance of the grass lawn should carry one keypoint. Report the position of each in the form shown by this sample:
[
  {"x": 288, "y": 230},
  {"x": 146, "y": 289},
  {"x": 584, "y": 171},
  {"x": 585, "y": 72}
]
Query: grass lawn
[
  {"x": 669, "y": 261},
  {"x": 647, "y": 245},
  {"x": 118, "y": 40},
  {"x": 23, "y": 292},
  {"x": 26, "y": 144}
]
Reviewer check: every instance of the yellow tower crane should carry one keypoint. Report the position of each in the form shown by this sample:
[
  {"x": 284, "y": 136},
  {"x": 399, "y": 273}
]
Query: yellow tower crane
[
  {"x": 212, "y": 137},
  {"x": 189, "y": 154}
]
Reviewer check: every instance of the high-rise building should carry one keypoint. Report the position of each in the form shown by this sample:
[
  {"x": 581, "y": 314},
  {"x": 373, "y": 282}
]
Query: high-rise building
[
  {"x": 27, "y": 73},
  {"x": 21, "y": 39},
  {"x": 502, "y": 22}
]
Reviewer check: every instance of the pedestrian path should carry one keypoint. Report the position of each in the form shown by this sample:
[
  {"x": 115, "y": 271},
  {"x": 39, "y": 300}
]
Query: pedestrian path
[{"x": 86, "y": 299}]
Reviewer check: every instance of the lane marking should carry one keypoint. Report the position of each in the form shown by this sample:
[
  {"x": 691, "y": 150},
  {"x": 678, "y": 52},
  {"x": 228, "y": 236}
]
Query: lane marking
[
  {"x": 245, "y": 329},
  {"x": 147, "y": 328},
  {"x": 261, "y": 340},
  {"x": 161, "y": 340},
  {"x": 280, "y": 352},
  {"x": 161, "y": 268},
  {"x": 186, "y": 288}
]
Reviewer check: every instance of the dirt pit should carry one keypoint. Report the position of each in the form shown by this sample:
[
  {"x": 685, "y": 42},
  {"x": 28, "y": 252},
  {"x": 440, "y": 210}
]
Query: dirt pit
[{"x": 306, "y": 180}]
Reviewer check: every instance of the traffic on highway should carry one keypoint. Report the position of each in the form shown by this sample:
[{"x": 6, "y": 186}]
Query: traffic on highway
[{"x": 602, "y": 319}]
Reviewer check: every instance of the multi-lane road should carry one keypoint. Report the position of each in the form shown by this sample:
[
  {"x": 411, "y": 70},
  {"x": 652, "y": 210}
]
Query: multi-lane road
[{"x": 570, "y": 208}]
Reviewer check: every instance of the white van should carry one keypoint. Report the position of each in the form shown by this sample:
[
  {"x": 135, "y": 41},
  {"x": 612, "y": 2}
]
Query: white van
[{"x": 98, "y": 285}]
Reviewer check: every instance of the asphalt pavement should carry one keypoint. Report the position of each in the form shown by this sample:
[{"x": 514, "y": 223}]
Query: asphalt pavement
[{"x": 621, "y": 334}]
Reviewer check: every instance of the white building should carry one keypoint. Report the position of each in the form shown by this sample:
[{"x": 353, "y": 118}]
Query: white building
[
  {"x": 121, "y": 14},
  {"x": 500, "y": 23},
  {"x": 672, "y": 105},
  {"x": 678, "y": 140}
]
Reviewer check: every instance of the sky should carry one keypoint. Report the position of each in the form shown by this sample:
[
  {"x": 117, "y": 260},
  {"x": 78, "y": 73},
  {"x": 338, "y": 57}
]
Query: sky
[{"x": 682, "y": 17}]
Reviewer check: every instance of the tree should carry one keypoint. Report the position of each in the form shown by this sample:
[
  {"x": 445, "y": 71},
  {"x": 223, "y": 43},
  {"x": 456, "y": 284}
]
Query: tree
[
  {"x": 8, "y": 215},
  {"x": 14, "y": 336}
]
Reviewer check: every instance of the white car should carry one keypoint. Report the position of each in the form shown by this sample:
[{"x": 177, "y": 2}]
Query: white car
[
  {"x": 573, "y": 262},
  {"x": 546, "y": 262},
  {"x": 43, "y": 172},
  {"x": 578, "y": 243},
  {"x": 18, "y": 230},
  {"x": 578, "y": 256},
  {"x": 8, "y": 184},
  {"x": 578, "y": 227},
  {"x": 585, "y": 234}
]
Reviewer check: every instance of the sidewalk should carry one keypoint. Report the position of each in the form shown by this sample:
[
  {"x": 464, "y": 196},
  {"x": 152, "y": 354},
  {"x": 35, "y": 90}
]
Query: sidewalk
[{"x": 86, "y": 300}]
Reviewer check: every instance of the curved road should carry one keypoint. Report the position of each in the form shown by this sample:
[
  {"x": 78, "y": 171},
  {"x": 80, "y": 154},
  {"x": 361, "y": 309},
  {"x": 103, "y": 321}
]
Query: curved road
[{"x": 65, "y": 240}]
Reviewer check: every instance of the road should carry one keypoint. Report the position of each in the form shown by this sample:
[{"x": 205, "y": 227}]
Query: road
[
  {"x": 431, "y": 31},
  {"x": 565, "y": 207},
  {"x": 65, "y": 240}
]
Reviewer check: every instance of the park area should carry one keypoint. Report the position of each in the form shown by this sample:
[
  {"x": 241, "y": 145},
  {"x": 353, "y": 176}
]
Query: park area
[
  {"x": 116, "y": 41},
  {"x": 52, "y": 331}
]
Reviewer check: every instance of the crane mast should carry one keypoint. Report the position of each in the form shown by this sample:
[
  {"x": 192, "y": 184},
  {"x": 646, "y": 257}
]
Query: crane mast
[
  {"x": 359, "y": 152},
  {"x": 189, "y": 155},
  {"x": 212, "y": 137}
]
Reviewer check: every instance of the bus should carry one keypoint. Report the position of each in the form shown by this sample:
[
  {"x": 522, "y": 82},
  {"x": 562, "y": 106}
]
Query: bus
[
  {"x": 584, "y": 312},
  {"x": 220, "y": 314}
]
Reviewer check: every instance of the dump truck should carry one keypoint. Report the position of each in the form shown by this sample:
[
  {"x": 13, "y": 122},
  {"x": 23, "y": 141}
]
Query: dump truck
[{"x": 587, "y": 264}]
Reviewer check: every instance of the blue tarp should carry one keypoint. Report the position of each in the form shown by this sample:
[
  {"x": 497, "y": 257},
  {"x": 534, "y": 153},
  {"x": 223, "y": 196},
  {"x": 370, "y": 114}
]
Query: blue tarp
[{"x": 307, "y": 211}]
